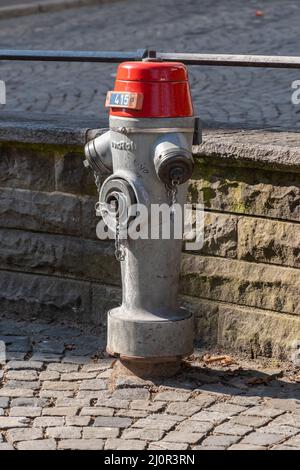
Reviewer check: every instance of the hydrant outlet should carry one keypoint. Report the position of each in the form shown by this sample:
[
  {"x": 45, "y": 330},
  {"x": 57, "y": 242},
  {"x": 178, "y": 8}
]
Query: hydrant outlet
[
  {"x": 98, "y": 154},
  {"x": 174, "y": 166},
  {"x": 117, "y": 202}
]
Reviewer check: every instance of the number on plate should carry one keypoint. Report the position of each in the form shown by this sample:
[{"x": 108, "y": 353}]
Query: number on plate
[{"x": 122, "y": 99}]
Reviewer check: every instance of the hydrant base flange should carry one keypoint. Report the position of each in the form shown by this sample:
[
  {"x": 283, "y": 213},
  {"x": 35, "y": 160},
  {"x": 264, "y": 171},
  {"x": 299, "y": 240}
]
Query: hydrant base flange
[
  {"x": 147, "y": 369},
  {"x": 149, "y": 339}
]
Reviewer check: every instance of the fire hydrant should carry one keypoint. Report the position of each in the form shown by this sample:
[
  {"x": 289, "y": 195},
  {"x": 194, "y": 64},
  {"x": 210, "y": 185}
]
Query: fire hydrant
[{"x": 147, "y": 157}]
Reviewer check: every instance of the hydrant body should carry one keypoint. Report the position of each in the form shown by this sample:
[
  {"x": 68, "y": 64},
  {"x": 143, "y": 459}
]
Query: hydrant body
[{"x": 148, "y": 151}]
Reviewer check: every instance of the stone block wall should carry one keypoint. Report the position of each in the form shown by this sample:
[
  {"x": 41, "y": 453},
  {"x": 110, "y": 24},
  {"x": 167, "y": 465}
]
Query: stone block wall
[{"x": 243, "y": 286}]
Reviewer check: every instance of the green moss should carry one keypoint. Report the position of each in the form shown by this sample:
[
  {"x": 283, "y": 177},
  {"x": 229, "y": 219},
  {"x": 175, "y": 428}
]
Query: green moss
[
  {"x": 208, "y": 194},
  {"x": 203, "y": 170},
  {"x": 193, "y": 193},
  {"x": 48, "y": 149},
  {"x": 239, "y": 203},
  {"x": 239, "y": 207}
]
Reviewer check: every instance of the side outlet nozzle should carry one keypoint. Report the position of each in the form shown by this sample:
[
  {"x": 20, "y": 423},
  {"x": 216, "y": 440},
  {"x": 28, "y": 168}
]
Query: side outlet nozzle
[
  {"x": 98, "y": 154},
  {"x": 173, "y": 162}
]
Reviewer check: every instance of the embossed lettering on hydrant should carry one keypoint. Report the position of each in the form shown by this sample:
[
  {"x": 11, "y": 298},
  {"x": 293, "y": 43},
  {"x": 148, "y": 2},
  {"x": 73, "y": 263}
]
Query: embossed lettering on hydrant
[{"x": 123, "y": 145}]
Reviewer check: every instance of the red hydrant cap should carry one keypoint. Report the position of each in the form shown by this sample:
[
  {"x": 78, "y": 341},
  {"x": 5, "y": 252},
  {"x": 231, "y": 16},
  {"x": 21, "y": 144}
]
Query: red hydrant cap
[
  {"x": 152, "y": 72},
  {"x": 151, "y": 89}
]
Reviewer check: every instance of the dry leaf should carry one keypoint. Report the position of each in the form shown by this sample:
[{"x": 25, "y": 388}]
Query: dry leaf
[
  {"x": 258, "y": 380},
  {"x": 224, "y": 360},
  {"x": 228, "y": 361}
]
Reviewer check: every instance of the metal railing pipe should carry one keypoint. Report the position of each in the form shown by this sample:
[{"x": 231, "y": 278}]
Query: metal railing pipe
[
  {"x": 232, "y": 60},
  {"x": 72, "y": 56}
]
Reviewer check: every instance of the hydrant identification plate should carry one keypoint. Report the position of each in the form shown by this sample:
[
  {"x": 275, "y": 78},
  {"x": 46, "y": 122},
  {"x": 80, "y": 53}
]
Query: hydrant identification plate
[{"x": 124, "y": 99}]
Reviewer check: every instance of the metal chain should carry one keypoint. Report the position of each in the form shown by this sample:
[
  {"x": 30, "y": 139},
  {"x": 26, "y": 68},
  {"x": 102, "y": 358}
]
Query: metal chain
[
  {"x": 97, "y": 181},
  {"x": 98, "y": 186},
  {"x": 172, "y": 191},
  {"x": 119, "y": 249}
]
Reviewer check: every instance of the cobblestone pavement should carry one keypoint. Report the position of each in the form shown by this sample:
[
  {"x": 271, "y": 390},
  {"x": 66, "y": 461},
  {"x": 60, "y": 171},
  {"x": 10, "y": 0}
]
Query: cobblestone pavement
[
  {"x": 229, "y": 95},
  {"x": 8, "y": 3},
  {"x": 59, "y": 390}
]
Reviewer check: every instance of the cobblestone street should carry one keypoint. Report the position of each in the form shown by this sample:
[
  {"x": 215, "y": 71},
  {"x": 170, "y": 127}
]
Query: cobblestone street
[
  {"x": 226, "y": 95},
  {"x": 59, "y": 391}
]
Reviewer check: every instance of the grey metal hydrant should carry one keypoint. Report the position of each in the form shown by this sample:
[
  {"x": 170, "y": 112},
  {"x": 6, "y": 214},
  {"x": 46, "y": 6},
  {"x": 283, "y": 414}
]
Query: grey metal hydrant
[{"x": 147, "y": 157}]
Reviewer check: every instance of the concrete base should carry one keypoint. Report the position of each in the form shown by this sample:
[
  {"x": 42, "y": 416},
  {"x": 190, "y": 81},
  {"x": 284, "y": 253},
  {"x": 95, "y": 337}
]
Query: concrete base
[{"x": 156, "y": 341}]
